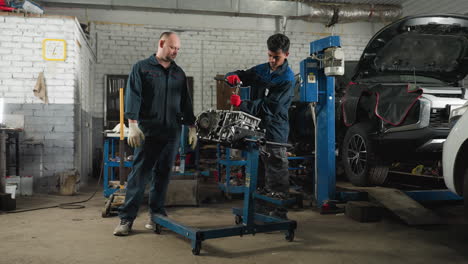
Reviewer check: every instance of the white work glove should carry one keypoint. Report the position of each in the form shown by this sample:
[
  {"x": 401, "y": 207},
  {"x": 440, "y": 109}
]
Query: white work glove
[
  {"x": 135, "y": 135},
  {"x": 192, "y": 137},
  {"x": 116, "y": 129}
]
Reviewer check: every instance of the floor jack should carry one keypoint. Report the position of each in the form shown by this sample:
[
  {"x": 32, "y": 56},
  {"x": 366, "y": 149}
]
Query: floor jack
[
  {"x": 117, "y": 199},
  {"x": 247, "y": 221},
  {"x": 113, "y": 203}
]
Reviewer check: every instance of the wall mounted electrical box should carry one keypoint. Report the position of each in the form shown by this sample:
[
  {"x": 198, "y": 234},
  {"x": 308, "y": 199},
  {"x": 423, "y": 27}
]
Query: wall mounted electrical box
[{"x": 309, "y": 81}]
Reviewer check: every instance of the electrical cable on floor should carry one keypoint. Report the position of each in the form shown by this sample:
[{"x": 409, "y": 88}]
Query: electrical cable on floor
[{"x": 71, "y": 205}]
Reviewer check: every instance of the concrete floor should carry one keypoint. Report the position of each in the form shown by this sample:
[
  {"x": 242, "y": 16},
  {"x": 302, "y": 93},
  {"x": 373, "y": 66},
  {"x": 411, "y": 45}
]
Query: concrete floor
[{"x": 83, "y": 236}]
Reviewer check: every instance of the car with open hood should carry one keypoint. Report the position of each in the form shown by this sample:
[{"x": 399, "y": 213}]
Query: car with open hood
[{"x": 406, "y": 85}]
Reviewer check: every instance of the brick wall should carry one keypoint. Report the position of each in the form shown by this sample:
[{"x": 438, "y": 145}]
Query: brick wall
[
  {"x": 50, "y": 128},
  {"x": 47, "y": 142}
]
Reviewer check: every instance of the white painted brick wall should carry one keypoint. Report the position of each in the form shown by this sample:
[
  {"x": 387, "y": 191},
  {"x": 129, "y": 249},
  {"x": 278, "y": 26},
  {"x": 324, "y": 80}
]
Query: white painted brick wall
[
  {"x": 20, "y": 50},
  {"x": 20, "y": 64}
]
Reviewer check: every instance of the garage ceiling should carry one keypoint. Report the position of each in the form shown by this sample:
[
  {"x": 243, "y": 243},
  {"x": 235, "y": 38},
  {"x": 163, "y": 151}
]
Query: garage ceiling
[{"x": 288, "y": 8}]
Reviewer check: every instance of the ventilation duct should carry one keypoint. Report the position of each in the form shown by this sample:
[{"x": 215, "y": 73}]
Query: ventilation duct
[
  {"x": 331, "y": 14},
  {"x": 321, "y": 12}
]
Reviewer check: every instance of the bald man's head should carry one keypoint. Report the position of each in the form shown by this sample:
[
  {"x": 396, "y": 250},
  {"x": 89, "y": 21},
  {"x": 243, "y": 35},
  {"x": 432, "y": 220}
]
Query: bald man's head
[
  {"x": 165, "y": 35},
  {"x": 168, "y": 46}
]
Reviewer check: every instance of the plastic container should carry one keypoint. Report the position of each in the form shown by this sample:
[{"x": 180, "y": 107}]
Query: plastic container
[
  {"x": 14, "y": 180},
  {"x": 26, "y": 185},
  {"x": 11, "y": 189}
]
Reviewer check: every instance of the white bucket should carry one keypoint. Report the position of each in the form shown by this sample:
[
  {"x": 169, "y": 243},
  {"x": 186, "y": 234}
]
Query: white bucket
[
  {"x": 14, "y": 180},
  {"x": 11, "y": 189}
]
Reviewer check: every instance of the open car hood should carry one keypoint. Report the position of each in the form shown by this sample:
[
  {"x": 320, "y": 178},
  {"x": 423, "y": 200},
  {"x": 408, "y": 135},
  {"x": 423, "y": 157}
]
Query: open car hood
[{"x": 433, "y": 46}]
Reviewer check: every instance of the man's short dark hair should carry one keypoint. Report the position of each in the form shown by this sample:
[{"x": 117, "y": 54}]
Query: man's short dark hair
[
  {"x": 278, "y": 42},
  {"x": 166, "y": 34}
]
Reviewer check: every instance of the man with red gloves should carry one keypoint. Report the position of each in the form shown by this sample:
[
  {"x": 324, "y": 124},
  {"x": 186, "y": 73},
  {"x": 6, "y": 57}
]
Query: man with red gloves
[{"x": 271, "y": 94}]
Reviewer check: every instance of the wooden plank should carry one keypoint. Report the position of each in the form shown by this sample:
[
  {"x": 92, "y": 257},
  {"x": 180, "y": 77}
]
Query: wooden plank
[
  {"x": 399, "y": 203},
  {"x": 407, "y": 209}
]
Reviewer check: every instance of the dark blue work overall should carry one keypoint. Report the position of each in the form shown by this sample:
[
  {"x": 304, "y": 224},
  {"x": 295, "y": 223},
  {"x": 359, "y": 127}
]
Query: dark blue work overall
[
  {"x": 160, "y": 100},
  {"x": 270, "y": 97}
]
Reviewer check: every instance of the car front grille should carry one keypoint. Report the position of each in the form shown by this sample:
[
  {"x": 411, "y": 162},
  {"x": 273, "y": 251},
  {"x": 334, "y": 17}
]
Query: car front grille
[
  {"x": 460, "y": 96},
  {"x": 439, "y": 118}
]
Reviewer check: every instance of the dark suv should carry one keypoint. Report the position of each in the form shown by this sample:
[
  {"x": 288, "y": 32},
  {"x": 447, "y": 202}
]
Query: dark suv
[{"x": 403, "y": 90}]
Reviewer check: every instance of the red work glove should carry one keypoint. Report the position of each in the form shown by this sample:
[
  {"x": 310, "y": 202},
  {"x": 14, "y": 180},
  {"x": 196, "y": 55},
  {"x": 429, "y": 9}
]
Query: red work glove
[
  {"x": 235, "y": 100},
  {"x": 233, "y": 79}
]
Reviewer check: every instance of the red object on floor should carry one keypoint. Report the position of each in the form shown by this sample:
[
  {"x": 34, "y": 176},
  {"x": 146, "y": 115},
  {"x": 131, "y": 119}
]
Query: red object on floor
[
  {"x": 188, "y": 159},
  {"x": 4, "y": 7},
  {"x": 326, "y": 206}
]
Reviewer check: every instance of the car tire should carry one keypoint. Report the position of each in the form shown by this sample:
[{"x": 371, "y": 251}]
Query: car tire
[
  {"x": 378, "y": 174},
  {"x": 359, "y": 159},
  {"x": 465, "y": 193}
]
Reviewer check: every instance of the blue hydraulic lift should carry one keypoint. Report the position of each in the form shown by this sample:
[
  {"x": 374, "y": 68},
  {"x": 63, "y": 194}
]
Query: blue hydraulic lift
[{"x": 319, "y": 89}]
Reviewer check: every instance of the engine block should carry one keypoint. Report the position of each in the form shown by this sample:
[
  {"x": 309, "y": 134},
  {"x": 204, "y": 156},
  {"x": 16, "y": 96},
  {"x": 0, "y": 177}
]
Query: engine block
[{"x": 227, "y": 127}]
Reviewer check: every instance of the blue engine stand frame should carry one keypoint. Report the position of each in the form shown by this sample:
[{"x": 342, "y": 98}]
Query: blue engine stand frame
[{"x": 247, "y": 221}]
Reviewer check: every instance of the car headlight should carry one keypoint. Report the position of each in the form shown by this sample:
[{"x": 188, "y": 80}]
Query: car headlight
[{"x": 456, "y": 113}]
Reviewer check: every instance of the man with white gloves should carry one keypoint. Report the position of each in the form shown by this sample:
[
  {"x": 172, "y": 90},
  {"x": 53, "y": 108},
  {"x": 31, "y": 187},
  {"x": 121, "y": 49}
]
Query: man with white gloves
[
  {"x": 135, "y": 135},
  {"x": 157, "y": 103}
]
